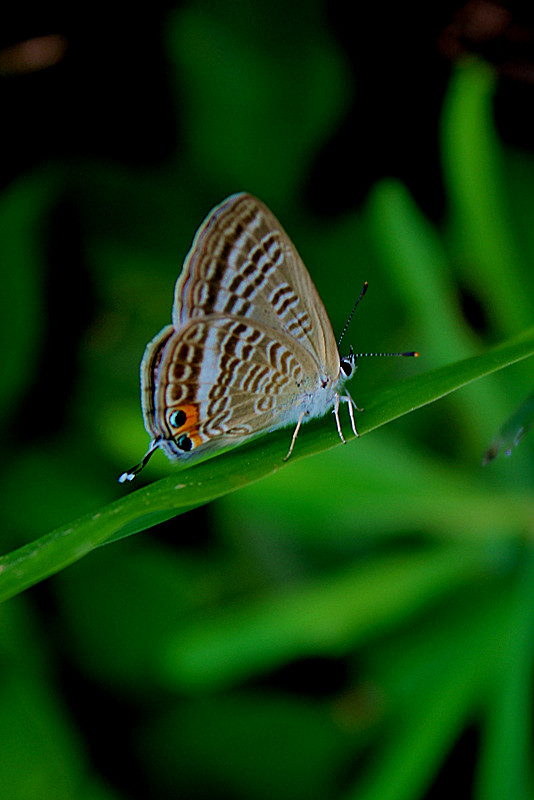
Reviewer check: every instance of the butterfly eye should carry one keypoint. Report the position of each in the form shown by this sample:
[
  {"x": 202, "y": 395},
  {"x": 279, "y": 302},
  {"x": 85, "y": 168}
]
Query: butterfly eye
[
  {"x": 184, "y": 442},
  {"x": 346, "y": 366},
  {"x": 177, "y": 419}
]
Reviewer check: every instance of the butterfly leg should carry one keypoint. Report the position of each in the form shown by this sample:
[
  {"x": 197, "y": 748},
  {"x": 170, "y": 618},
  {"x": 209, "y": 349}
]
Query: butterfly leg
[
  {"x": 295, "y": 434},
  {"x": 351, "y": 415},
  {"x": 348, "y": 398},
  {"x": 352, "y": 405},
  {"x": 336, "y": 414}
]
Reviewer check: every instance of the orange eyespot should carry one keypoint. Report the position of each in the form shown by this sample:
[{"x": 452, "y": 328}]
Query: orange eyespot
[{"x": 184, "y": 424}]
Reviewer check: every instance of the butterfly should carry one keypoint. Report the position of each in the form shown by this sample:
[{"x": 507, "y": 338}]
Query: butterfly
[{"x": 250, "y": 348}]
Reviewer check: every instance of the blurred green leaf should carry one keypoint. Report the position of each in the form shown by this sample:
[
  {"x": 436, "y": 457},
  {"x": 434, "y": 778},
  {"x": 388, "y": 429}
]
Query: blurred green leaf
[
  {"x": 257, "y": 744},
  {"x": 419, "y": 489},
  {"x": 420, "y": 267},
  {"x": 41, "y": 755},
  {"x": 480, "y": 210},
  {"x": 234, "y": 89},
  {"x": 22, "y": 244},
  {"x": 461, "y": 657},
  {"x": 505, "y": 765},
  {"x": 328, "y": 617}
]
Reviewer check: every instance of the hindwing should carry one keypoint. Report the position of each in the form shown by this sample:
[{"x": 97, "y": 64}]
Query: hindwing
[{"x": 221, "y": 379}]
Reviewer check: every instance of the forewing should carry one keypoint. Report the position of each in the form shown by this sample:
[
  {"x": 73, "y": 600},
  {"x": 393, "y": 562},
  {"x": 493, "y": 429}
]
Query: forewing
[{"x": 242, "y": 263}]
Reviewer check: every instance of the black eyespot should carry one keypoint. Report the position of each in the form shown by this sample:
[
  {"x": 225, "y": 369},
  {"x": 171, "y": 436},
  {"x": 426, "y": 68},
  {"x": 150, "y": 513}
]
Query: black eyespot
[
  {"x": 177, "y": 418},
  {"x": 346, "y": 366},
  {"x": 184, "y": 442}
]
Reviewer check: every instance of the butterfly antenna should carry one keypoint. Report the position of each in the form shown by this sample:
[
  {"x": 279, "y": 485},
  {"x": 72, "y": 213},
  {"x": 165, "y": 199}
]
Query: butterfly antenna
[
  {"x": 363, "y": 291},
  {"x": 413, "y": 353},
  {"x": 131, "y": 473}
]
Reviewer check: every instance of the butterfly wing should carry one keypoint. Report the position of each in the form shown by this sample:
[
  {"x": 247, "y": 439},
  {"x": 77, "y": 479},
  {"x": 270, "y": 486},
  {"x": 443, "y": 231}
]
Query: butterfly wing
[
  {"x": 243, "y": 264},
  {"x": 220, "y": 380}
]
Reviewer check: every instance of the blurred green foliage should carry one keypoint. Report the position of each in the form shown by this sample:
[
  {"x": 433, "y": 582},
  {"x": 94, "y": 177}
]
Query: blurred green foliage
[{"x": 355, "y": 614}]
